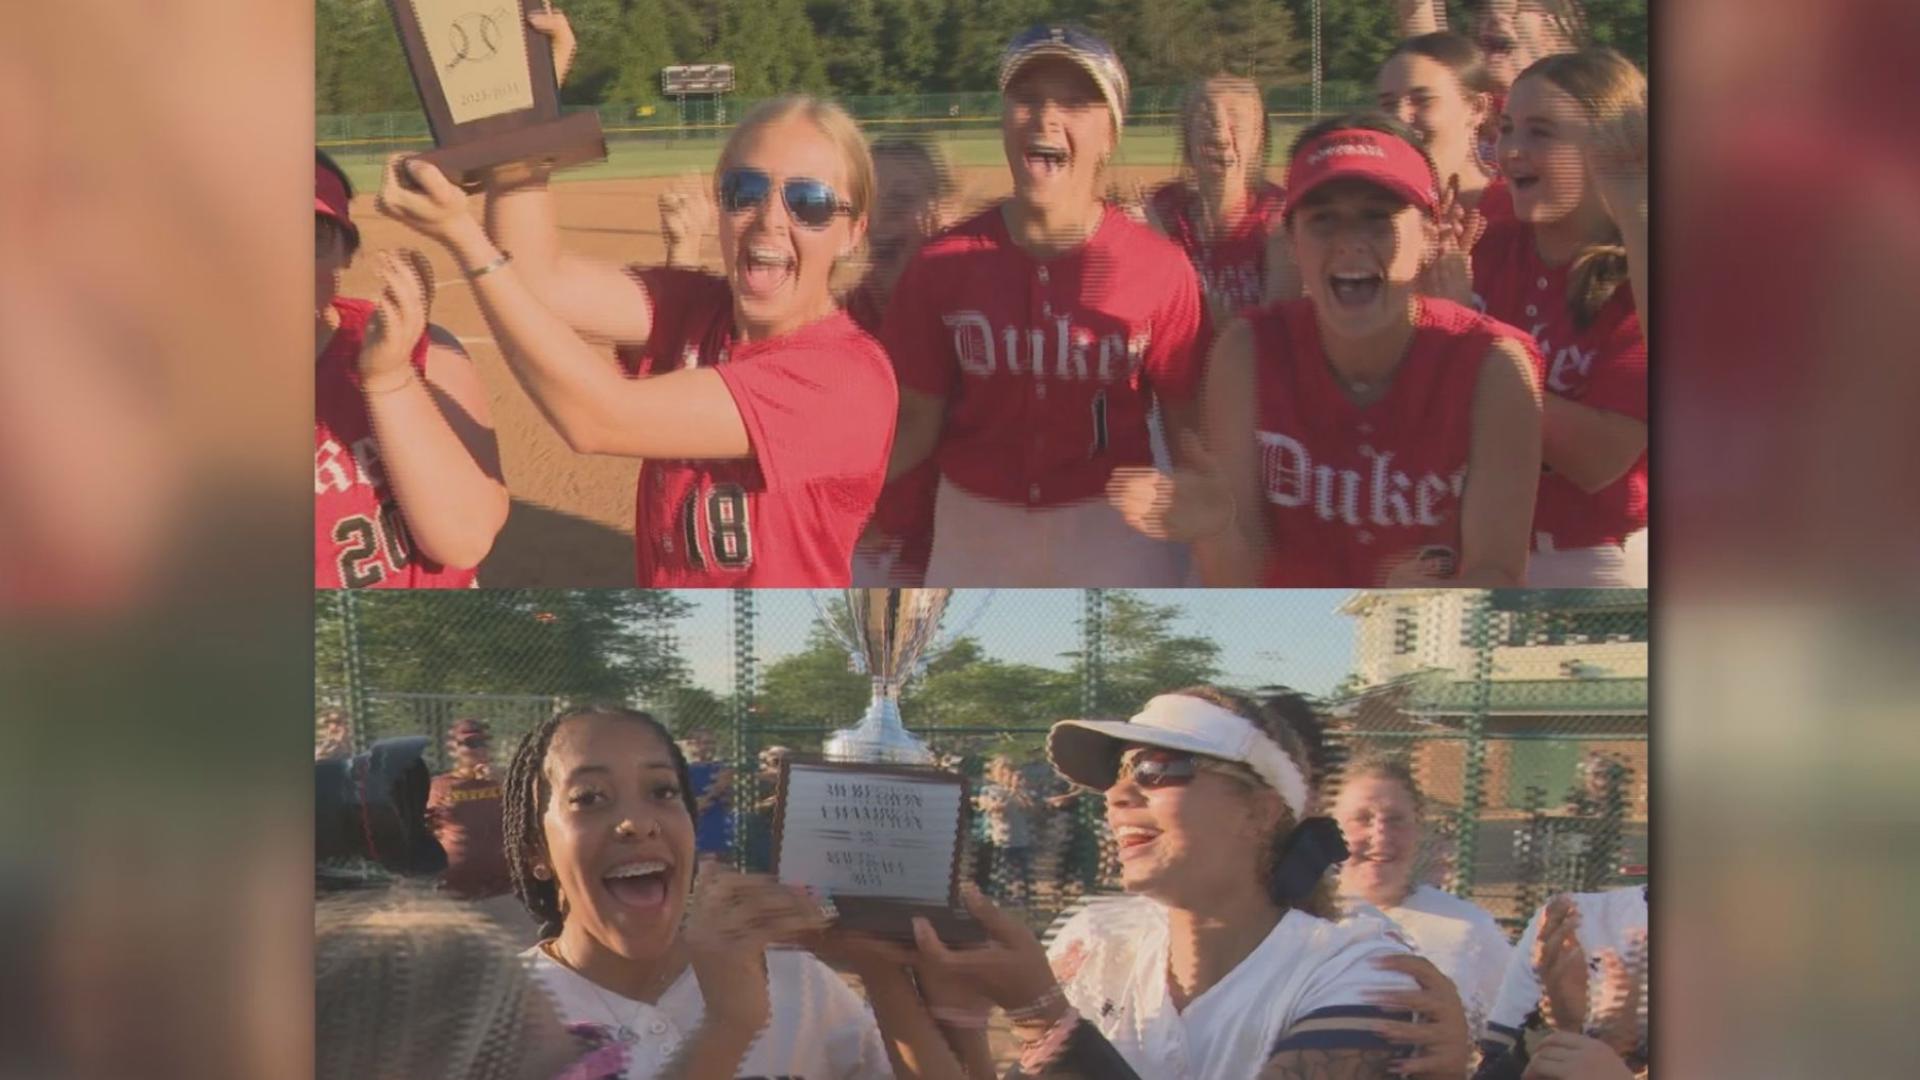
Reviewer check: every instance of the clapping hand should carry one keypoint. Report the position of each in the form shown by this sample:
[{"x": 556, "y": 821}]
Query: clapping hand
[
  {"x": 1193, "y": 502},
  {"x": 732, "y": 919},
  {"x": 399, "y": 315},
  {"x": 1560, "y": 963}
]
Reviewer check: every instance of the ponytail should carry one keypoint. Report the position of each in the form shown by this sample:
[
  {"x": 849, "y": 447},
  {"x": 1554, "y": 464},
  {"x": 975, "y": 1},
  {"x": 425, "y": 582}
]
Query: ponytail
[
  {"x": 1603, "y": 82},
  {"x": 1597, "y": 271}
]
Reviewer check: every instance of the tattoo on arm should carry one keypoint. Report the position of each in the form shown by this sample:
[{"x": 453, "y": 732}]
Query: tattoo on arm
[{"x": 1348, "y": 1064}]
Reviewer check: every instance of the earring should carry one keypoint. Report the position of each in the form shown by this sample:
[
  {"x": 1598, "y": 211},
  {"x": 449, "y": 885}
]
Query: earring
[{"x": 540, "y": 871}]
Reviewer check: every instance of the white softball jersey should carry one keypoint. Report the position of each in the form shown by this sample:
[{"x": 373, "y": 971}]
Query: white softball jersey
[
  {"x": 819, "y": 1029},
  {"x": 1460, "y": 938},
  {"x": 1304, "y": 987}
]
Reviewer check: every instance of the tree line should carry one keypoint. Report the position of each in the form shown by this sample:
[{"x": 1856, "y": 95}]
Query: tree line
[
  {"x": 624, "y": 646},
  {"x": 874, "y": 47}
]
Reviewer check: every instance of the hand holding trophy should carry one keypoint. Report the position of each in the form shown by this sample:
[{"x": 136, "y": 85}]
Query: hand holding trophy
[{"x": 487, "y": 80}]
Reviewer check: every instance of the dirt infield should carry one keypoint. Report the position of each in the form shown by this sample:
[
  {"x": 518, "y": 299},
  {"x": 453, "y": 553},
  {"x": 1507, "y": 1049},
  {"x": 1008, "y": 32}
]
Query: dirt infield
[{"x": 572, "y": 518}]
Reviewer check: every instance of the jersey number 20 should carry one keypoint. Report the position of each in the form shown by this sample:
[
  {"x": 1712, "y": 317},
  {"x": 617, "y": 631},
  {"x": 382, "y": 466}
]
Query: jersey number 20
[
  {"x": 721, "y": 514},
  {"x": 364, "y": 540}
]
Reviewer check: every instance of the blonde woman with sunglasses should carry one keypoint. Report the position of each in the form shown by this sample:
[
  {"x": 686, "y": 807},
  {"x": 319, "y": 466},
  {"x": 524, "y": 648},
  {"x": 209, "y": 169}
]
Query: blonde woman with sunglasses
[{"x": 762, "y": 412}]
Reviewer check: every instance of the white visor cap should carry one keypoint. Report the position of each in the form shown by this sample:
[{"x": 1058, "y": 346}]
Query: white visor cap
[{"x": 1087, "y": 752}]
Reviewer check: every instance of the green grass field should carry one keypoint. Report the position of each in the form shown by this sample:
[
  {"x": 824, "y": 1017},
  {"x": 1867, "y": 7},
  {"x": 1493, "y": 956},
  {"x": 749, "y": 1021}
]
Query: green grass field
[{"x": 630, "y": 157}]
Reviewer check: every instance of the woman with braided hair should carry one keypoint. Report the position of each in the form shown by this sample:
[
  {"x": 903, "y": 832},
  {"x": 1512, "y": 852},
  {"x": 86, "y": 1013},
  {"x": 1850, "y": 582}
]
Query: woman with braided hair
[{"x": 680, "y": 980}]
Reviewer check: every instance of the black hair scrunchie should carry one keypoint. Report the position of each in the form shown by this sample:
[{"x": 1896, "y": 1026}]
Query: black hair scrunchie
[{"x": 1313, "y": 846}]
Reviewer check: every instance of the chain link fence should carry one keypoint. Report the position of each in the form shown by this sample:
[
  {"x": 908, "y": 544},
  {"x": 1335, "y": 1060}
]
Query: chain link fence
[
  {"x": 1523, "y": 714},
  {"x": 708, "y": 117}
]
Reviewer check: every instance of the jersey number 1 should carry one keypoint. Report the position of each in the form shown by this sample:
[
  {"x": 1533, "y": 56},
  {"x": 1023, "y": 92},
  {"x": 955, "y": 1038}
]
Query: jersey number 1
[
  {"x": 1100, "y": 422},
  {"x": 722, "y": 515}
]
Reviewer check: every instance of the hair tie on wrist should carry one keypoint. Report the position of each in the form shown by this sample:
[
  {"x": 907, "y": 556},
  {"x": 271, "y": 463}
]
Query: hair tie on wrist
[
  {"x": 406, "y": 380},
  {"x": 1313, "y": 846},
  {"x": 502, "y": 260}
]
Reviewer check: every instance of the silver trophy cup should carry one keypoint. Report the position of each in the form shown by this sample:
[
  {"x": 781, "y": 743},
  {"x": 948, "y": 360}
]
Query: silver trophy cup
[{"x": 887, "y": 630}]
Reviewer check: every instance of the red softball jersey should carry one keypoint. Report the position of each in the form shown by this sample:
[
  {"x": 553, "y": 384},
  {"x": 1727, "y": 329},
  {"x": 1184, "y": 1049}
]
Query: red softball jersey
[
  {"x": 1496, "y": 201},
  {"x": 819, "y": 406},
  {"x": 1353, "y": 491},
  {"x": 1233, "y": 269},
  {"x": 905, "y": 509},
  {"x": 1603, "y": 366},
  {"x": 1049, "y": 368},
  {"x": 360, "y": 539}
]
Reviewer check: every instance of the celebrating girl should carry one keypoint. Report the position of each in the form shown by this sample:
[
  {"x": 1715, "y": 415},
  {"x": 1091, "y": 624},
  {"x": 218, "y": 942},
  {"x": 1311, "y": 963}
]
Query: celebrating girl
[
  {"x": 1222, "y": 208},
  {"x": 762, "y": 413},
  {"x": 406, "y": 475},
  {"x": 1037, "y": 340},
  {"x": 1365, "y": 435},
  {"x": 1571, "y": 268}
]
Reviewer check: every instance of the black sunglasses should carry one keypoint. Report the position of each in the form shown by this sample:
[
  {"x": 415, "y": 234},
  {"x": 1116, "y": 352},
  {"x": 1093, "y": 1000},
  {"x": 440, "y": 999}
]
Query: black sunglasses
[
  {"x": 1497, "y": 45},
  {"x": 1152, "y": 768},
  {"x": 812, "y": 203}
]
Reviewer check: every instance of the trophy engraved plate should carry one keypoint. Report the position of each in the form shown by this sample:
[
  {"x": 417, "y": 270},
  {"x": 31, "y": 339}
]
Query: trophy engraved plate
[{"x": 872, "y": 825}]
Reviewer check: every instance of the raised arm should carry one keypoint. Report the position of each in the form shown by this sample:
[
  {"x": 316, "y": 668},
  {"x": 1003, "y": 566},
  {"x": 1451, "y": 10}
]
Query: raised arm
[
  {"x": 594, "y": 298},
  {"x": 598, "y": 300},
  {"x": 437, "y": 447},
  {"x": 1503, "y": 470},
  {"x": 682, "y": 414}
]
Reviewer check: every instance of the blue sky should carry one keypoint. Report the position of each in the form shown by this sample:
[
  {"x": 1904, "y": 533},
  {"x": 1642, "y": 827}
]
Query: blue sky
[{"x": 1294, "y": 637}]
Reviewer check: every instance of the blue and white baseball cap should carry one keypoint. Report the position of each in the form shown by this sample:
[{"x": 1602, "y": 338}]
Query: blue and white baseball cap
[{"x": 1093, "y": 55}]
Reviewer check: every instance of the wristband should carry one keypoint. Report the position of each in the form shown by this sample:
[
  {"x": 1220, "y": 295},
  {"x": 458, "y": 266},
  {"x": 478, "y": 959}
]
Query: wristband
[
  {"x": 1037, "y": 1008},
  {"x": 503, "y": 259}
]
